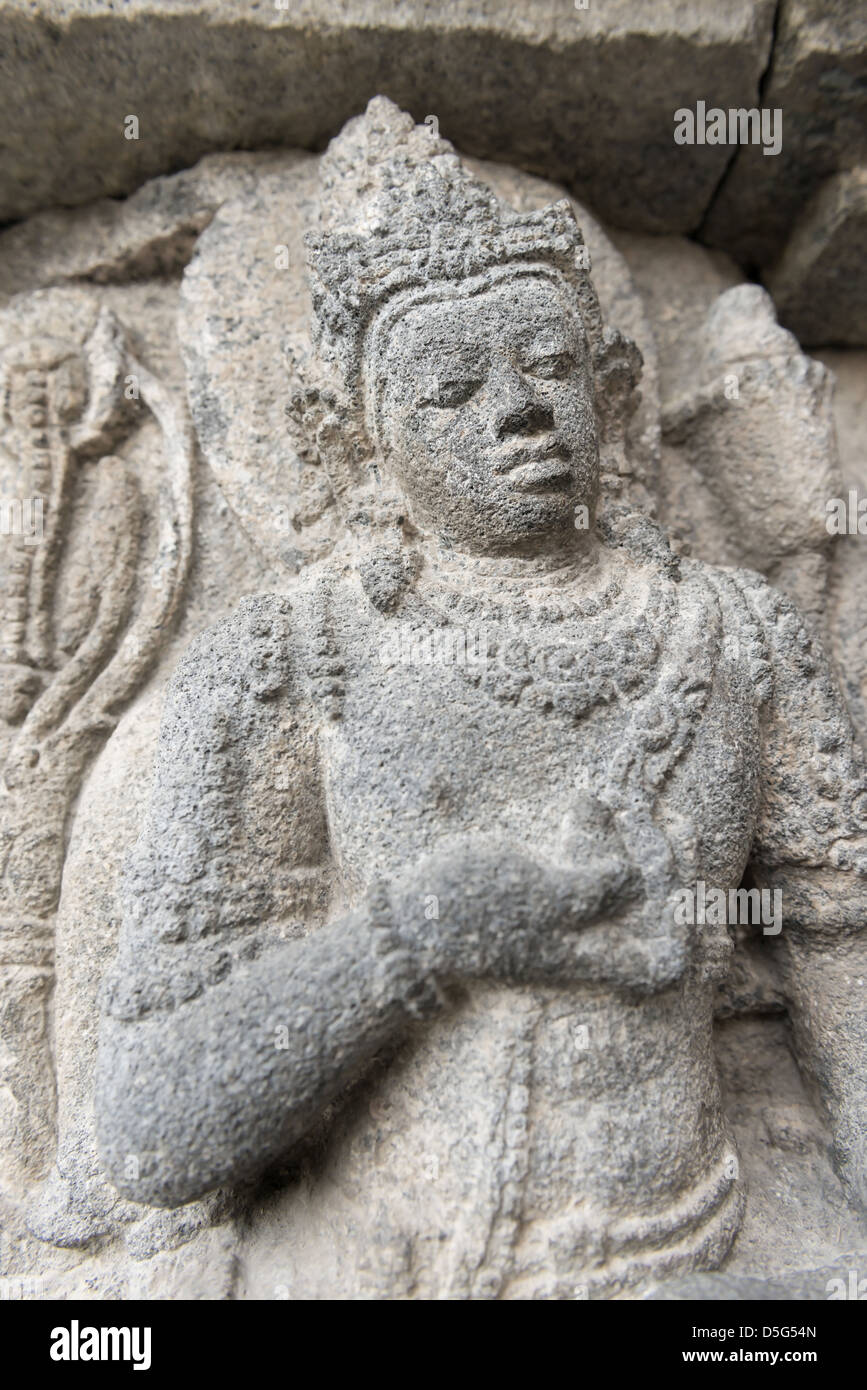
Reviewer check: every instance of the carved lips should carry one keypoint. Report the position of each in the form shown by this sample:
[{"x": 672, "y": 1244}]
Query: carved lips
[{"x": 542, "y": 466}]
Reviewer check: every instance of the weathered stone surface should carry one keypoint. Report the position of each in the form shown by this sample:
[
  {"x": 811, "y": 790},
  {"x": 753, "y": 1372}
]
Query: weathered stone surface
[
  {"x": 797, "y": 1214},
  {"x": 849, "y": 568},
  {"x": 95, "y": 587},
  {"x": 819, "y": 285},
  {"x": 756, "y": 428},
  {"x": 149, "y": 235},
  {"x": 749, "y": 455},
  {"x": 583, "y": 96},
  {"x": 437, "y": 377},
  {"x": 817, "y": 78},
  {"x": 316, "y": 834},
  {"x": 87, "y": 590},
  {"x": 679, "y": 283},
  {"x": 805, "y": 1285}
]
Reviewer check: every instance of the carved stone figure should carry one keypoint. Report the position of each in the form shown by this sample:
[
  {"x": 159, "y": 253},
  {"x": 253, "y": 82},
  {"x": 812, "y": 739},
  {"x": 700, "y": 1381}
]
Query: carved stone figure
[{"x": 405, "y": 920}]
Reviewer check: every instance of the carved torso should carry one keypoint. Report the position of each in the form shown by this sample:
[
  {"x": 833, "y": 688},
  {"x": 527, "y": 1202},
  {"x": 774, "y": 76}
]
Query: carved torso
[
  {"x": 606, "y": 1101},
  {"x": 533, "y": 1139},
  {"x": 560, "y": 705}
]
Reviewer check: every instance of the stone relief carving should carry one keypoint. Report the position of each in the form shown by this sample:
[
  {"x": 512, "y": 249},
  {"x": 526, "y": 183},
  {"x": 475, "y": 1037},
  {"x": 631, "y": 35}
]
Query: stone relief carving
[
  {"x": 760, "y": 398},
  {"x": 87, "y": 593},
  {"x": 400, "y": 898}
]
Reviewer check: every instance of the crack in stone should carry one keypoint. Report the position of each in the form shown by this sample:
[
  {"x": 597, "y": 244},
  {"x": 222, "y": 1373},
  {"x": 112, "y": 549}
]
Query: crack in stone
[{"x": 764, "y": 78}]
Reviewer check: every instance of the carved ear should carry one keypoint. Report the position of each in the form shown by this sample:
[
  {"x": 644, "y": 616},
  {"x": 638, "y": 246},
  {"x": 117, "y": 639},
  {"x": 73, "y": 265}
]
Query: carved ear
[
  {"x": 325, "y": 429},
  {"x": 617, "y": 370}
]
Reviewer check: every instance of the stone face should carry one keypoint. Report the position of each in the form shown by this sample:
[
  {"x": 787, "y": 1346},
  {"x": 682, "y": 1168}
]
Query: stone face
[
  {"x": 373, "y": 901},
  {"x": 237, "y": 365}
]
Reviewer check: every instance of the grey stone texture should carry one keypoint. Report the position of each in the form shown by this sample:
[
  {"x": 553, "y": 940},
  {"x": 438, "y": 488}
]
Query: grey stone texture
[
  {"x": 368, "y": 978},
  {"x": 584, "y": 96},
  {"x": 816, "y": 76},
  {"x": 817, "y": 283},
  {"x": 524, "y": 83},
  {"x": 809, "y": 1285}
]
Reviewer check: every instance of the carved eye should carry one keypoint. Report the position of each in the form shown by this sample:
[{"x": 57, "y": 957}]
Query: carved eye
[
  {"x": 552, "y": 366},
  {"x": 446, "y": 394}
]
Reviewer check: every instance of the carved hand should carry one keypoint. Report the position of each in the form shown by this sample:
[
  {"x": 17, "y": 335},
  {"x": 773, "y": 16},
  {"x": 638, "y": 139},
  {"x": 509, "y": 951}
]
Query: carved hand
[{"x": 478, "y": 908}]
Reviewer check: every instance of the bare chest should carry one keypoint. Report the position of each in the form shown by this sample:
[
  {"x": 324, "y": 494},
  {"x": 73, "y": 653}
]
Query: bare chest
[{"x": 514, "y": 730}]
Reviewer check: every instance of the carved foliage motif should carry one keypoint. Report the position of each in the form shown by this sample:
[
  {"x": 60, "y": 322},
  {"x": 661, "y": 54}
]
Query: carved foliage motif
[{"x": 87, "y": 592}]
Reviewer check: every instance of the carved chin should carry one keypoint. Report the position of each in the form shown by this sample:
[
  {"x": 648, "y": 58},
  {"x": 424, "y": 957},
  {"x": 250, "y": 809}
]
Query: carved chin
[{"x": 530, "y": 512}]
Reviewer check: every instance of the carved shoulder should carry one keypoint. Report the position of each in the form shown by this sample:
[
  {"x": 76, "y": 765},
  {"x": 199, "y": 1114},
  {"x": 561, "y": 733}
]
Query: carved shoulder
[{"x": 234, "y": 850}]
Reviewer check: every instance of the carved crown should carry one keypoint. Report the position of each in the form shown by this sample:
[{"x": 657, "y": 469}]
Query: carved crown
[{"x": 400, "y": 212}]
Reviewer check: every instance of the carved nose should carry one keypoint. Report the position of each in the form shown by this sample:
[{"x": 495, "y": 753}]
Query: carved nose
[{"x": 520, "y": 414}]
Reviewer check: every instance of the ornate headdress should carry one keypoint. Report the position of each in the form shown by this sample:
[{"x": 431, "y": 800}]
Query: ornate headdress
[{"x": 402, "y": 221}]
